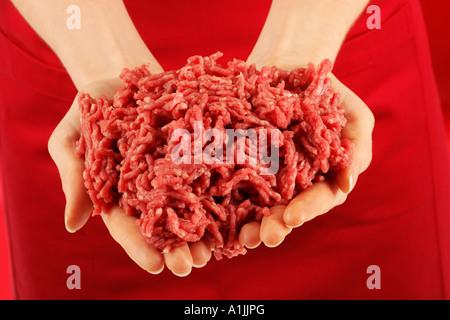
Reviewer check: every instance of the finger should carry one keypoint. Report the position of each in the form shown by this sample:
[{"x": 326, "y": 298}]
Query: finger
[
  {"x": 61, "y": 147},
  {"x": 78, "y": 204},
  {"x": 179, "y": 260},
  {"x": 249, "y": 235},
  {"x": 312, "y": 202},
  {"x": 125, "y": 231},
  {"x": 200, "y": 252},
  {"x": 359, "y": 129},
  {"x": 273, "y": 228}
]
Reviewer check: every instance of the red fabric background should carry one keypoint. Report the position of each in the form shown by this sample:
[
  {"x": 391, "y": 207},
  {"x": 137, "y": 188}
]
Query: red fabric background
[{"x": 436, "y": 17}]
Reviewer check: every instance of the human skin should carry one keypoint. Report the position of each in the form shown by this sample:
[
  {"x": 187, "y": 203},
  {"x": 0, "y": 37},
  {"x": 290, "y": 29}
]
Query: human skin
[
  {"x": 294, "y": 34},
  {"x": 95, "y": 55}
]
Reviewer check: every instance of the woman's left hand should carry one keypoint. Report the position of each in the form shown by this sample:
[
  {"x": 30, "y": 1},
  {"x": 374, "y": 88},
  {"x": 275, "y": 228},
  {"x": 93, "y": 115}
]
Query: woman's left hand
[{"x": 321, "y": 197}]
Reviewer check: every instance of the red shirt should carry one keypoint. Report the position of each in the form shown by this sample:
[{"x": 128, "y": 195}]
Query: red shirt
[{"x": 397, "y": 218}]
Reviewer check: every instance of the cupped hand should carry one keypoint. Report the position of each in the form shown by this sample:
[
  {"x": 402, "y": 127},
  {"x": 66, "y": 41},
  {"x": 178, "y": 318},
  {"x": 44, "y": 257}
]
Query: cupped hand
[
  {"x": 122, "y": 227},
  {"x": 321, "y": 197}
]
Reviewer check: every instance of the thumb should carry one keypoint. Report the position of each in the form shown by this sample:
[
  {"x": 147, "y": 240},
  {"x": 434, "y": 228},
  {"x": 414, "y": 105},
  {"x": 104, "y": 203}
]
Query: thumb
[
  {"x": 61, "y": 146},
  {"x": 358, "y": 129},
  {"x": 78, "y": 204}
]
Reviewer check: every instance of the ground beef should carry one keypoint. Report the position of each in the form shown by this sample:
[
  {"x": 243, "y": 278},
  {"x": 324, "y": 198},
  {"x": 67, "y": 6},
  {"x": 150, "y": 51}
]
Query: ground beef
[{"x": 132, "y": 158}]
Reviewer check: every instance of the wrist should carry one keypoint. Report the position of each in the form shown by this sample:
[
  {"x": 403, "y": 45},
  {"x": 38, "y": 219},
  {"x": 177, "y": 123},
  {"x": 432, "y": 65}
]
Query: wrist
[
  {"x": 107, "y": 63},
  {"x": 106, "y": 42},
  {"x": 297, "y": 32}
]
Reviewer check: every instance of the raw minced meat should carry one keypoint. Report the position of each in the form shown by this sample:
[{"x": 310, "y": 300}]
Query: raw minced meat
[{"x": 142, "y": 148}]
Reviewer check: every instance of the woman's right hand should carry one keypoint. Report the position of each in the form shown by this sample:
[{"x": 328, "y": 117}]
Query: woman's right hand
[{"x": 122, "y": 227}]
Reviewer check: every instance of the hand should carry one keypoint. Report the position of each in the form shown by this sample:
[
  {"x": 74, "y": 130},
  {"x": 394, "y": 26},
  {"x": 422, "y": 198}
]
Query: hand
[
  {"x": 322, "y": 196},
  {"x": 294, "y": 34},
  {"x": 122, "y": 227}
]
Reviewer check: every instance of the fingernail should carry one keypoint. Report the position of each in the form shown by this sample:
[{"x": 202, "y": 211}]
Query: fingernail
[
  {"x": 300, "y": 224},
  {"x": 254, "y": 246},
  {"x": 199, "y": 265},
  {"x": 274, "y": 245},
  {"x": 158, "y": 271},
  {"x": 66, "y": 224},
  {"x": 287, "y": 213},
  {"x": 182, "y": 275},
  {"x": 295, "y": 226},
  {"x": 353, "y": 179}
]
